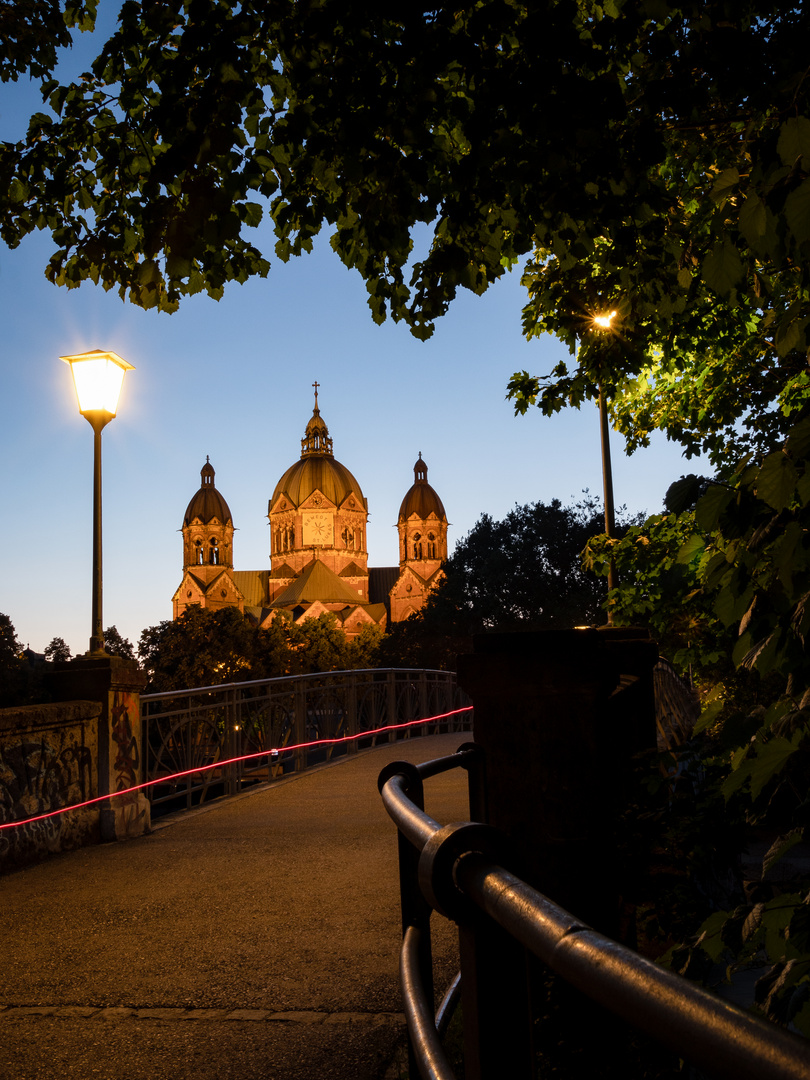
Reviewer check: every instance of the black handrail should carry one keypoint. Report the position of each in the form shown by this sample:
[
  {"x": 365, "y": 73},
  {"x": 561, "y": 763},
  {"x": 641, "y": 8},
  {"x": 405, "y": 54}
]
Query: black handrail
[{"x": 456, "y": 867}]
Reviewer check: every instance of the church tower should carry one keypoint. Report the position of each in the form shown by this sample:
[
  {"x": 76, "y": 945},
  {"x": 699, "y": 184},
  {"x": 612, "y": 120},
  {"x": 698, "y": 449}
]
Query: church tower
[
  {"x": 207, "y": 550},
  {"x": 318, "y": 513},
  {"x": 422, "y": 526}
]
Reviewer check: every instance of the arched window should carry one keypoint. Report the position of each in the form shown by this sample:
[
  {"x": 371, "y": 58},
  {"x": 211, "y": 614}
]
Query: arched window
[
  {"x": 417, "y": 545},
  {"x": 214, "y": 553},
  {"x": 199, "y": 554},
  {"x": 431, "y": 548}
]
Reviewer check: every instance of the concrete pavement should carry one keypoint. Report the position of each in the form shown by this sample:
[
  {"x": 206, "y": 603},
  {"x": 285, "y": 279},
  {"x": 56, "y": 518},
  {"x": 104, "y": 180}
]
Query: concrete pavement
[{"x": 257, "y": 938}]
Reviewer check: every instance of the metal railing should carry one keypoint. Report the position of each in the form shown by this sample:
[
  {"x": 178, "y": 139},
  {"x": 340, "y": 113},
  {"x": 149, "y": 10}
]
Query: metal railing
[
  {"x": 458, "y": 870},
  {"x": 193, "y": 731}
]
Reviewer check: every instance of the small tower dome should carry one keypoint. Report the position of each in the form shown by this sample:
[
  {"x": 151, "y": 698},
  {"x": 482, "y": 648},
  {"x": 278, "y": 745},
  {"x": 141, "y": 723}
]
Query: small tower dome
[
  {"x": 421, "y": 499},
  {"x": 207, "y": 504},
  {"x": 207, "y": 526}
]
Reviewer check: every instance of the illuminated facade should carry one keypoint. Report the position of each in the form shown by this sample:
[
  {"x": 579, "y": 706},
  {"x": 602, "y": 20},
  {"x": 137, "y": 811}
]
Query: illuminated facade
[{"x": 318, "y": 546}]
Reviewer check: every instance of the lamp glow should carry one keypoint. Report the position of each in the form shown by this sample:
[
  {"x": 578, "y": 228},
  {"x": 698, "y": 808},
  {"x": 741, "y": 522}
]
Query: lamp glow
[{"x": 97, "y": 377}]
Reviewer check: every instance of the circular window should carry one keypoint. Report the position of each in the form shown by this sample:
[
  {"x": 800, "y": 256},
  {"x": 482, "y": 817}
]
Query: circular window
[
  {"x": 223, "y": 593},
  {"x": 188, "y": 593}
]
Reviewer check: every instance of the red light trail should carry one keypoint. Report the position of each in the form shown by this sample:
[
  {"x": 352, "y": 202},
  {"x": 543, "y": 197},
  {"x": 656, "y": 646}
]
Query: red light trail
[{"x": 231, "y": 761}]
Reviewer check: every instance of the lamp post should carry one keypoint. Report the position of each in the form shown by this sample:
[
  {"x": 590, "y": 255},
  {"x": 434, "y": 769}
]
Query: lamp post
[
  {"x": 603, "y": 322},
  {"x": 97, "y": 376}
]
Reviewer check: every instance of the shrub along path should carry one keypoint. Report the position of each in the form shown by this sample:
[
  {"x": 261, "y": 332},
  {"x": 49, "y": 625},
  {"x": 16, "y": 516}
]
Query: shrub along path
[{"x": 256, "y": 938}]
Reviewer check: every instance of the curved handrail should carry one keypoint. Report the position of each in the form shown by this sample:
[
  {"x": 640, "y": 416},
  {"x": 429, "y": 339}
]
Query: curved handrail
[
  {"x": 714, "y": 1034},
  {"x": 433, "y": 1063},
  {"x": 281, "y": 679}
]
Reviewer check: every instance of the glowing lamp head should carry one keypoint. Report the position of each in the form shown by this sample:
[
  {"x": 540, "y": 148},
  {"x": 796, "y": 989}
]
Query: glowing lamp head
[
  {"x": 97, "y": 376},
  {"x": 604, "y": 321}
]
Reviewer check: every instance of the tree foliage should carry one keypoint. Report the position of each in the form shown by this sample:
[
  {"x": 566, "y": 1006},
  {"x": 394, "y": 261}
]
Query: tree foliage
[
  {"x": 117, "y": 645},
  {"x": 523, "y": 572},
  {"x": 205, "y": 648},
  {"x": 729, "y": 580},
  {"x": 20, "y": 684},
  {"x": 650, "y": 155},
  {"x": 57, "y": 649}
]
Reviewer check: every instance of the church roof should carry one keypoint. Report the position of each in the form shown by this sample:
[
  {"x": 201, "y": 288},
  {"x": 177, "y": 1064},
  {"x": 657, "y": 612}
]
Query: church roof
[
  {"x": 420, "y": 498},
  {"x": 318, "y": 469},
  {"x": 252, "y": 584},
  {"x": 377, "y": 612},
  {"x": 317, "y": 582},
  {"x": 208, "y": 503},
  {"x": 353, "y": 570},
  {"x": 283, "y": 571},
  {"x": 381, "y": 580}
]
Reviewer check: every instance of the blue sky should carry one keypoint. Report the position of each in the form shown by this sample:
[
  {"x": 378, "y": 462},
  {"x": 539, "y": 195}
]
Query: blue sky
[{"x": 232, "y": 379}]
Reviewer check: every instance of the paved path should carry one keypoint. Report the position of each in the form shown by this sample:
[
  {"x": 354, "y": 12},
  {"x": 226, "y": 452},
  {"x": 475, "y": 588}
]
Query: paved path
[{"x": 255, "y": 939}]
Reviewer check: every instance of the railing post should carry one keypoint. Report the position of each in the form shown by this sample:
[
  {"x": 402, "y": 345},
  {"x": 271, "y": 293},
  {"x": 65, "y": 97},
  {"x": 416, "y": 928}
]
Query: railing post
[
  {"x": 414, "y": 908},
  {"x": 423, "y": 699},
  {"x": 392, "y": 704},
  {"x": 495, "y": 1002},
  {"x": 231, "y": 743},
  {"x": 351, "y": 716},
  {"x": 187, "y": 762},
  {"x": 300, "y": 722}
]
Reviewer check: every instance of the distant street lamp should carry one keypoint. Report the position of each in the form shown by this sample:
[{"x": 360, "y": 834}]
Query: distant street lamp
[
  {"x": 604, "y": 323},
  {"x": 97, "y": 376}
]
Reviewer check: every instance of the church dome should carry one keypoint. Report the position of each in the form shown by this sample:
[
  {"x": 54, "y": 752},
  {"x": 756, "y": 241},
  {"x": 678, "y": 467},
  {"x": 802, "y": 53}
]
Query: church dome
[
  {"x": 421, "y": 499},
  {"x": 317, "y": 470},
  {"x": 208, "y": 503}
]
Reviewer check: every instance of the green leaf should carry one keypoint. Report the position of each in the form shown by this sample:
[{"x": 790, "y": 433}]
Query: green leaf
[
  {"x": 725, "y": 185},
  {"x": 798, "y": 440},
  {"x": 794, "y": 141},
  {"x": 711, "y": 505},
  {"x": 714, "y": 705},
  {"x": 691, "y": 550},
  {"x": 253, "y": 214},
  {"x": 753, "y": 219},
  {"x": 776, "y": 480},
  {"x": 779, "y": 848},
  {"x": 684, "y": 278},
  {"x": 722, "y": 268},
  {"x": 710, "y": 939},
  {"x": 769, "y": 759},
  {"x": 797, "y": 212}
]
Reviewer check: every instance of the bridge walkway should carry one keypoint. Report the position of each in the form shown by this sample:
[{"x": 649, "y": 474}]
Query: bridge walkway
[{"x": 255, "y": 938}]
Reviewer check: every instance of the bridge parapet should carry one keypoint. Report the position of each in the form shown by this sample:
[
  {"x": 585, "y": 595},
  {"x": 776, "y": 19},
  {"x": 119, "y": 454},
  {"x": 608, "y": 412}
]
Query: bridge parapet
[
  {"x": 48, "y": 759},
  {"x": 217, "y": 739}
]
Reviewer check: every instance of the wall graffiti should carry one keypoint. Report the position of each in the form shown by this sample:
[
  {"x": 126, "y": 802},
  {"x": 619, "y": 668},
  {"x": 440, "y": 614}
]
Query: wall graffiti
[
  {"x": 130, "y": 809},
  {"x": 40, "y": 771}
]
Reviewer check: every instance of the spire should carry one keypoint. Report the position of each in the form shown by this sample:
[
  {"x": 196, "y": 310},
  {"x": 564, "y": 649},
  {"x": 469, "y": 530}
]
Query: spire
[
  {"x": 316, "y": 440},
  {"x": 207, "y": 473}
]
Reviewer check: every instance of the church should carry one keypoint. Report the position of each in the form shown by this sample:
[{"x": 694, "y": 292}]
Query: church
[{"x": 318, "y": 554}]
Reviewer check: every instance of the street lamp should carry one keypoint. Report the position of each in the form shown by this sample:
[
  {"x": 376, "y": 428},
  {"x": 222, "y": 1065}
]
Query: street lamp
[
  {"x": 603, "y": 322},
  {"x": 97, "y": 376}
]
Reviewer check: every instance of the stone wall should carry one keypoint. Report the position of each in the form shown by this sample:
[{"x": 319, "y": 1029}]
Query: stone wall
[{"x": 48, "y": 760}]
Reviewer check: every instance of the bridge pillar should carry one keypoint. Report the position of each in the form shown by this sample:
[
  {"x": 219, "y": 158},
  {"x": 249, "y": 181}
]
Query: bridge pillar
[
  {"x": 559, "y": 715},
  {"x": 115, "y": 683}
]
